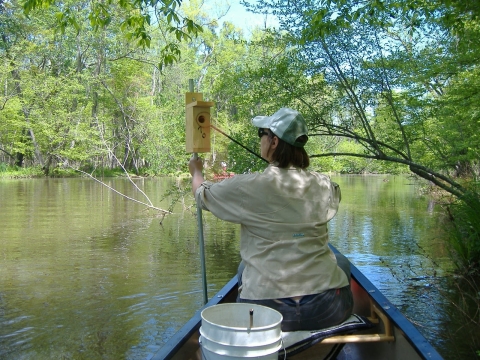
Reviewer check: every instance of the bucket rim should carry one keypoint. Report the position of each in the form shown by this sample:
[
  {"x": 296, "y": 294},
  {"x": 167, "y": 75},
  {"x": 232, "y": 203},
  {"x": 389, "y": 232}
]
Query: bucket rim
[{"x": 255, "y": 328}]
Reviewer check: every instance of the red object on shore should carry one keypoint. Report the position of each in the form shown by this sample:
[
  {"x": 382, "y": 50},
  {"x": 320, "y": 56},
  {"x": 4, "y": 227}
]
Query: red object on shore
[{"x": 223, "y": 176}]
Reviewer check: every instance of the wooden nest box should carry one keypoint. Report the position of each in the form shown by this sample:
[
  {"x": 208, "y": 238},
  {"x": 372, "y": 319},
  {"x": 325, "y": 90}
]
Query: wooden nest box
[{"x": 197, "y": 125}]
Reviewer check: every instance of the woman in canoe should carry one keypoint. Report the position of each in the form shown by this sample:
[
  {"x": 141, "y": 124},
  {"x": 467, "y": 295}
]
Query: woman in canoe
[{"x": 283, "y": 212}]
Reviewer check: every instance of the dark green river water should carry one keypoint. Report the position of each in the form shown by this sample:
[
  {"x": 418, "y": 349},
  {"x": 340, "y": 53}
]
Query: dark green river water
[{"x": 88, "y": 274}]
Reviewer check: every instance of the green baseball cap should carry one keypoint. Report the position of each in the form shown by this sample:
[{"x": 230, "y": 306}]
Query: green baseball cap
[{"x": 287, "y": 124}]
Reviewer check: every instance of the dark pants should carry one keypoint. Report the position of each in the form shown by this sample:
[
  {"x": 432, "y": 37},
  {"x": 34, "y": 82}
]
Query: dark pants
[{"x": 311, "y": 312}]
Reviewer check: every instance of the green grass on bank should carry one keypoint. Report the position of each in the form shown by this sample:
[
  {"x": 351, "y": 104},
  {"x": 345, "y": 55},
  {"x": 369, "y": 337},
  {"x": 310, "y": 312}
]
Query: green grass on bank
[{"x": 15, "y": 172}]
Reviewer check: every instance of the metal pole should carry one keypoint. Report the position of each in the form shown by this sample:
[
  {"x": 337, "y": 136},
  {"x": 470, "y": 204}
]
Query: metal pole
[{"x": 200, "y": 231}]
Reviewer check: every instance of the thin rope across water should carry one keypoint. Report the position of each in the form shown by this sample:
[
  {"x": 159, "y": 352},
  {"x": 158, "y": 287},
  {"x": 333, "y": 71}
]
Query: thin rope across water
[{"x": 238, "y": 143}]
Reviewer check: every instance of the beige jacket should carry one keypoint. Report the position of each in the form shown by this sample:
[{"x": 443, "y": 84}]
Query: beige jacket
[{"x": 283, "y": 215}]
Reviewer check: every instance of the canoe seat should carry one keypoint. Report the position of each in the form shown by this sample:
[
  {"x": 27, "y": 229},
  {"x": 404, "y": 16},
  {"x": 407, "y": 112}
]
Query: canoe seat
[
  {"x": 374, "y": 318},
  {"x": 298, "y": 341}
]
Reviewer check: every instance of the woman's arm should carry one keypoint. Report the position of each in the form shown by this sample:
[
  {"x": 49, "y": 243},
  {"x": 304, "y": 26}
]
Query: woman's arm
[{"x": 195, "y": 166}]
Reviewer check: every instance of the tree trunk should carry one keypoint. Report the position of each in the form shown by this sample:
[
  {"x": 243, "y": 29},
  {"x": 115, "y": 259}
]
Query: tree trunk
[
  {"x": 28, "y": 131},
  {"x": 19, "y": 159}
]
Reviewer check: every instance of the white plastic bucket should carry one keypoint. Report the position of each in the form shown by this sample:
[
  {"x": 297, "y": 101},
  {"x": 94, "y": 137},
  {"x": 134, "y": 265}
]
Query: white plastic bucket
[{"x": 238, "y": 331}]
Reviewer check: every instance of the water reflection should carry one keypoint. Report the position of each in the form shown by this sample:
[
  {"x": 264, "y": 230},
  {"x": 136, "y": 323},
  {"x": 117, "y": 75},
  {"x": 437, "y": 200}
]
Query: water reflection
[{"x": 87, "y": 274}]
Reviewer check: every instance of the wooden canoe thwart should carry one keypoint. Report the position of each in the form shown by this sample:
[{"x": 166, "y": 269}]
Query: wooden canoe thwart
[{"x": 378, "y": 330}]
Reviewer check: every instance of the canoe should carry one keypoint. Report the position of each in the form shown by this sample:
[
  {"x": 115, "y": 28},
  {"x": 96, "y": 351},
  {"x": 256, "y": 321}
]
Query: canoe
[{"x": 390, "y": 336}]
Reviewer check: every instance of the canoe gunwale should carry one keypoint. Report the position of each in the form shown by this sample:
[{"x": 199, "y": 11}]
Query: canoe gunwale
[{"x": 411, "y": 333}]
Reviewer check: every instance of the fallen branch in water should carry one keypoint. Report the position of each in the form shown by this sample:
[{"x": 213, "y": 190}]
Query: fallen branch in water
[{"x": 149, "y": 205}]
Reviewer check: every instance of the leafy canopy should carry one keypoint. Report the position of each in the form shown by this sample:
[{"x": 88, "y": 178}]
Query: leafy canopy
[{"x": 137, "y": 22}]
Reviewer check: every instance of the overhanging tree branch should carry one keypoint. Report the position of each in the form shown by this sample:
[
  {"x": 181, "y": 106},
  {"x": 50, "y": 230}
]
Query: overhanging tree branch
[
  {"x": 435, "y": 177},
  {"x": 6, "y": 152}
]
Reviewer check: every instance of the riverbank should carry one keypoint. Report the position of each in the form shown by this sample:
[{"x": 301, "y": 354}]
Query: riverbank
[
  {"x": 36, "y": 172},
  {"x": 14, "y": 172}
]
